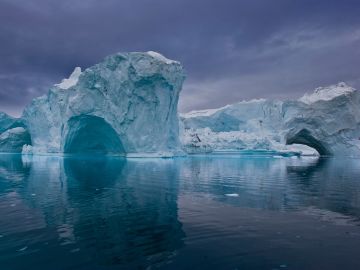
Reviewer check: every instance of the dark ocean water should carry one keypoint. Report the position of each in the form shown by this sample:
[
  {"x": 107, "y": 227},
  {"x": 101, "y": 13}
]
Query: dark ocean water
[{"x": 200, "y": 212}]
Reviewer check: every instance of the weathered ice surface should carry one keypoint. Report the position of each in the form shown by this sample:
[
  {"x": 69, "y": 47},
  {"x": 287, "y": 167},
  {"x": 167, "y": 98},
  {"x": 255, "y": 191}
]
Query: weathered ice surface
[
  {"x": 125, "y": 105},
  {"x": 327, "y": 120},
  {"x": 13, "y": 134},
  {"x": 7, "y": 122},
  {"x": 247, "y": 125},
  {"x": 12, "y": 140}
]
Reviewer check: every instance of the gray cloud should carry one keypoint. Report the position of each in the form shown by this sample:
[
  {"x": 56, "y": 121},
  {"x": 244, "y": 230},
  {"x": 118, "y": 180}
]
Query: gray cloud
[{"x": 231, "y": 49}]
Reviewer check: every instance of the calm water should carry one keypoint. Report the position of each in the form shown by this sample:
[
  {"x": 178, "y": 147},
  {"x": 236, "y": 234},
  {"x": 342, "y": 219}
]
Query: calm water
[{"x": 209, "y": 212}]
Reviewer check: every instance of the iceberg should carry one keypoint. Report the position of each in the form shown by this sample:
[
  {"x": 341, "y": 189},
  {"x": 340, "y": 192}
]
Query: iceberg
[
  {"x": 327, "y": 120},
  {"x": 125, "y": 105}
]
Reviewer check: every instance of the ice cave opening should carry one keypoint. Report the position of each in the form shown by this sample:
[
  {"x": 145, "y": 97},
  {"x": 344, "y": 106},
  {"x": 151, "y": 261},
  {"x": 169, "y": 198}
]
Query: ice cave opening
[
  {"x": 304, "y": 137},
  {"x": 92, "y": 135}
]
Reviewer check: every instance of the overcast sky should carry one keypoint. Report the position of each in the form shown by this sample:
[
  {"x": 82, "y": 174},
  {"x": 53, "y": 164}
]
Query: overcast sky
[{"x": 231, "y": 49}]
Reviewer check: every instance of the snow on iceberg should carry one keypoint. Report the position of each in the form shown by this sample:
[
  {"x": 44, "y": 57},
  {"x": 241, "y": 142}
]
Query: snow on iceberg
[
  {"x": 161, "y": 58},
  {"x": 327, "y": 93},
  {"x": 71, "y": 81}
]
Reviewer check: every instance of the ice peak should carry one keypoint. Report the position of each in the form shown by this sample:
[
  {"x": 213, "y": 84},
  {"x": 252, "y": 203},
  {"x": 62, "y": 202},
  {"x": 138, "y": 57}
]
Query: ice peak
[
  {"x": 160, "y": 57},
  {"x": 327, "y": 93},
  {"x": 71, "y": 81}
]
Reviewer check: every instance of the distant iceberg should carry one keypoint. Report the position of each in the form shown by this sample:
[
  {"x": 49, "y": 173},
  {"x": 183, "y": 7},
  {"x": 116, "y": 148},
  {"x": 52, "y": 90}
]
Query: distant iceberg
[{"x": 327, "y": 120}]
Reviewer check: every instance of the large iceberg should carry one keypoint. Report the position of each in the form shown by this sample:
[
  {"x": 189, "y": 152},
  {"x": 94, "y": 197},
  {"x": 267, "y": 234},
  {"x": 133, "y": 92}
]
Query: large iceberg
[
  {"x": 327, "y": 120},
  {"x": 125, "y": 105}
]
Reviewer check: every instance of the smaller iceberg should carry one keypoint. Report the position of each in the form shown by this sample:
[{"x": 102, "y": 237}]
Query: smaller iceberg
[{"x": 325, "y": 122}]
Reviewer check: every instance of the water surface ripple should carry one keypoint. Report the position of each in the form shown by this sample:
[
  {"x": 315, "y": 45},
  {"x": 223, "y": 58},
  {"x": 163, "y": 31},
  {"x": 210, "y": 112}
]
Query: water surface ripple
[{"x": 198, "y": 212}]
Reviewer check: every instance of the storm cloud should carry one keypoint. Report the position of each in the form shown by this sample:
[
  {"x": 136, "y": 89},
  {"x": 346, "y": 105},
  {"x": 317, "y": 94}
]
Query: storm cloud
[{"x": 231, "y": 49}]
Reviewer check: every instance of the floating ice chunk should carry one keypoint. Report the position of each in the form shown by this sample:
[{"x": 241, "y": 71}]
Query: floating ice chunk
[
  {"x": 329, "y": 127},
  {"x": 232, "y": 195},
  {"x": 23, "y": 249},
  {"x": 26, "y": 149},
  {"x": 71, "y": 81}
]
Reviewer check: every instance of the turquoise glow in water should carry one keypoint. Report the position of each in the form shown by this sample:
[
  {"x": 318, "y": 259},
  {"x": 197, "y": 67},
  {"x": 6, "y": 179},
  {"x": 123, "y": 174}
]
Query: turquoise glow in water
[{"x": 200, "y": 212}]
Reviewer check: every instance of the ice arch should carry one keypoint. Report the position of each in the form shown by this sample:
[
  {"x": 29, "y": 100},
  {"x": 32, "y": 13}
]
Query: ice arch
[
  {"x": 305, "y": 137},
  {"x": 92, "y": 134}
]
